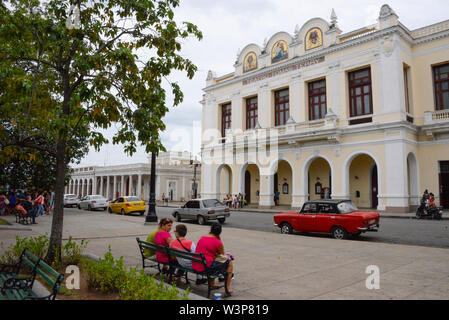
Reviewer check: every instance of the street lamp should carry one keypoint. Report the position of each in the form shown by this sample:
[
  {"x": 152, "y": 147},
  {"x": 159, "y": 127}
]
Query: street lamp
[
  {"x": 195, "y": 186},
  {"x": 151, "y": 215}
]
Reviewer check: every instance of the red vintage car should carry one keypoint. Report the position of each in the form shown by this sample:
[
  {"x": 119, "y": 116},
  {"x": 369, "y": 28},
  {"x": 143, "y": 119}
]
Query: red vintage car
[{"x": 340, "y": 218}]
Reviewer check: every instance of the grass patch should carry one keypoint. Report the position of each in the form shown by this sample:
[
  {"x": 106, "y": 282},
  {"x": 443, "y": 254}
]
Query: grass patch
[{"x": 4, "y": 222}]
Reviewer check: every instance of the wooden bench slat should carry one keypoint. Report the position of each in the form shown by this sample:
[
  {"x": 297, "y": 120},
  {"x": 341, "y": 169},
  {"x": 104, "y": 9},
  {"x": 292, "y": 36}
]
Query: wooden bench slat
[
  {"x": 48, "y": 269},
  {"x": 46, "y": 277}
]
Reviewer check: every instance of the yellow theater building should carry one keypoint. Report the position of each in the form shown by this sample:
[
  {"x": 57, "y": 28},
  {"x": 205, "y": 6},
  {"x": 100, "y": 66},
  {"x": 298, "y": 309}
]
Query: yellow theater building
[{"x": 361, "y": 115}]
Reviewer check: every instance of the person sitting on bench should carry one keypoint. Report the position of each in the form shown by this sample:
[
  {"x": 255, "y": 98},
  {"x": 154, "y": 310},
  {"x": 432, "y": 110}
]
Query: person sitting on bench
[{"x": 181, "y": 243}]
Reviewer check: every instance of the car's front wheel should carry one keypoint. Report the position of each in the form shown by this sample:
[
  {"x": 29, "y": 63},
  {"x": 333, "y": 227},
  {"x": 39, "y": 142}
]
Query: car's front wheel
[
  {"x": 286, "y": 228},
  {"x": 201, "y": 220},
  {"x": 339, "y": 233},
  {"x": 109, "y": 210},
  {"x": 177, "y": 217}
]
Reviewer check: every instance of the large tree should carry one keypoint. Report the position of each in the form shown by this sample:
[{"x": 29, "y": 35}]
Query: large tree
[{"x": 85, "y": 67}]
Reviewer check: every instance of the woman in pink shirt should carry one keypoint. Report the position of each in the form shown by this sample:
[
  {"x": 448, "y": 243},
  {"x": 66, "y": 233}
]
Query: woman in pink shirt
[
  {"x": 163, "y": 238},
  {"x": 211, "y": 245}
]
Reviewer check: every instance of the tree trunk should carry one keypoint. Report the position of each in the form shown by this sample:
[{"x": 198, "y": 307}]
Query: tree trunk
[
  {"x": 58, "y": 212},
  {"x": 61, "y": 161}
]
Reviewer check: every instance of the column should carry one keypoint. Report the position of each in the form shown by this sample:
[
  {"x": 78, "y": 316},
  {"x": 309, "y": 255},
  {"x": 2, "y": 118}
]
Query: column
[
  {"x": 139, "y": 186},
  {"x": 335, "y": 79},
  {"x": 122, "y": 186},
  {"x": 158, "y": 187},
  {"x": 264, "y": 110},
  {"x": 130, "y": 186},
  {"x": 297, "y": 99},
  {"x": 107, "y": 187},
  {"x": 183, "y": 195},
  {"x": 396, "y": 193},
  {"x": 94, "y": 185},
  {"x": 101, "y": 185},
  {"x": 237, "y": 114},
  {"x": 114, "y": 189},
  {"x": 266, "y": 196},
  {"x": 390, "y": 79}
]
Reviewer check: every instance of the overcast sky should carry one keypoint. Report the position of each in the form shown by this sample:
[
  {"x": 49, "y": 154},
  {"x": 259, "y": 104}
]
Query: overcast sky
[{"x": 230, "y": 25}]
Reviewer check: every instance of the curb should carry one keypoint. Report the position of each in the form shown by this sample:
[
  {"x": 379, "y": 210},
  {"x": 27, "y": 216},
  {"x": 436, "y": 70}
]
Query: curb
[
  {"x": 191, "y": 296},
  {"x": 13, "y": 227}
]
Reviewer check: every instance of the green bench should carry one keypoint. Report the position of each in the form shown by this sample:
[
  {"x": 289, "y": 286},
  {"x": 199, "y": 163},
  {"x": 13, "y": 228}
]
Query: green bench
[
  {"x": 15, "y": 287},
  {"x": 208, "y": 273}
]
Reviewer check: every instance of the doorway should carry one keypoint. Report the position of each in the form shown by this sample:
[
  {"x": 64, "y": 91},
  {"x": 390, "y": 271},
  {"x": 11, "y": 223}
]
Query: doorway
[
  {"x": 444, "y": 184},
  {"x": 374, "y": 189},
  {"x": 247, "y": 187}
]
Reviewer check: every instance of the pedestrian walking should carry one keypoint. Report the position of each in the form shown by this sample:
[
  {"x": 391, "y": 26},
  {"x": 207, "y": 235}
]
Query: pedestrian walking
[{"x": 39, "y": 201}]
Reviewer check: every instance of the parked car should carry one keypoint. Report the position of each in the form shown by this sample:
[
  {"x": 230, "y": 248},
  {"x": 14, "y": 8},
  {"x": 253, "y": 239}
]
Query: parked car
[
  {"x": 340, "y": 218},
  {"x": 71, "y": 200},
  {"x": 93, "y": 202},
  {"x": 126, "y": 205},
  {"x": 202, "y": 210}
]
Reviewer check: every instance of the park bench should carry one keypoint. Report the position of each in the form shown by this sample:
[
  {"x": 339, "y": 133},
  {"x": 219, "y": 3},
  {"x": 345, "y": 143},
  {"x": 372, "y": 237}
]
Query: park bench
[
  {"x": 21, "y": 218},
  {"x": 14, "y": 286},
  {"x": 208, "y": 273}
]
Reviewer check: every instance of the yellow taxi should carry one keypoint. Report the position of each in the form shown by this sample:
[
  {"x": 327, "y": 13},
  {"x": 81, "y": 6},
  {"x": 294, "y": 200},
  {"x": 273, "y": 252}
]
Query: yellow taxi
[{"x": 126, "y": 205}]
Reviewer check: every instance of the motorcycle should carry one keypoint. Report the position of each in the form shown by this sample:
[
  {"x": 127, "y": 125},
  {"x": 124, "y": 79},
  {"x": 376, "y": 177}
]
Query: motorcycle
[{"x": 425, "y": 211}]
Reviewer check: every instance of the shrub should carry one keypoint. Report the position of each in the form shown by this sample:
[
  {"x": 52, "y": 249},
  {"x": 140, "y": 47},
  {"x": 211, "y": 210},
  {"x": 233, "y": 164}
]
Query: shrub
[
  {"x": 37, "y": 246},
  {"x": 139, "y": 286},
  {"x": 71, "y": 251},
  {"x": 106, "y": 275}
]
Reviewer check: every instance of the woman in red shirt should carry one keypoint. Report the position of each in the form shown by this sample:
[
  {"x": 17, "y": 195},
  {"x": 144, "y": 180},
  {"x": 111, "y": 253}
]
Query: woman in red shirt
[
  {"x": 163, "y": 238},
  {"x": 211, "y": 246}
]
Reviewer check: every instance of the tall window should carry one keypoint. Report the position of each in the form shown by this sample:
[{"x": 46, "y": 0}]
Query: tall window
[
  {"x": 441, "y": 84},
  {"x": 360, "y": 95},
  {"x": 251, "y": 113},
  {"x": 225, "y": 118},
  {"x": 407, "y": 93},
  {"x": 282, "y": 108},
  {"x": 317, "y": 100}
]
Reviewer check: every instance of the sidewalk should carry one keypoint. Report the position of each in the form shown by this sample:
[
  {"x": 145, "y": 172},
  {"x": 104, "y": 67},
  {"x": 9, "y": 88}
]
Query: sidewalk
[{"x": 275, "y": 266}]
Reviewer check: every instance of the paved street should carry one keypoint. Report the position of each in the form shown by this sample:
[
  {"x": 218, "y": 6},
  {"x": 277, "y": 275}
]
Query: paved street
[
  {"x": 428, "y": 233},
  {"x": 273, "y": 266}
]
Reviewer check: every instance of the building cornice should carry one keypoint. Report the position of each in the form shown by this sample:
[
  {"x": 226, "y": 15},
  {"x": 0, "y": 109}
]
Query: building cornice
[{"x": 403, "y": 32}]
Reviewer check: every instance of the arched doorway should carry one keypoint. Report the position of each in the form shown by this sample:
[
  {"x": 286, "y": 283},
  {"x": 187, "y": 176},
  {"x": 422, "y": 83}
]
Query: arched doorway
[
  {"x": 223, "y": 180},
  {"x": 364, "y": 181},
  {"x": 250, "y": 183},
  {"x": 319, "y": 179},
  {"x": 283, "y": 184}
]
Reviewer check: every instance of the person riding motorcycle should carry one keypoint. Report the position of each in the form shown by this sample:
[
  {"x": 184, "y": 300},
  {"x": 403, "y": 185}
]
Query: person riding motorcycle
[{"x": 432, "y": 200}]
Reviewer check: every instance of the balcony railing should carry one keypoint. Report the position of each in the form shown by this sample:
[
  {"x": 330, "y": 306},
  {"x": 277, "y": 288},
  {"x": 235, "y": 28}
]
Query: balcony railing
[{"x": 436, "y": 116}]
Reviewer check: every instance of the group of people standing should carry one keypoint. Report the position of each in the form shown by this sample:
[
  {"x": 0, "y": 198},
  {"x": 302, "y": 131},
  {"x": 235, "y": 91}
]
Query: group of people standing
[
  {"x": 236, "y": 202},
  {"x": 30, "y": 204},
  {"x": 210, "y": 245}
]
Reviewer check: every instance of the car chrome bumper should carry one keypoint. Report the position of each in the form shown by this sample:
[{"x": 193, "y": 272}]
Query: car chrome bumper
[{"x": 373, "y": 228}]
